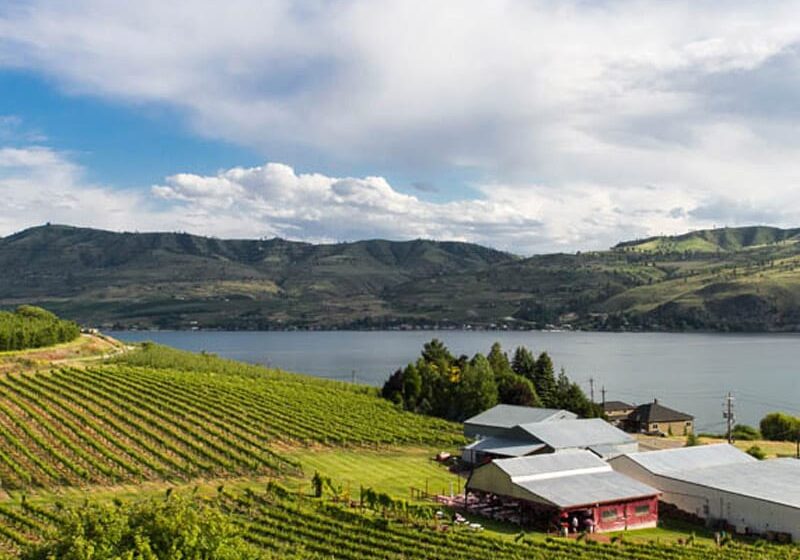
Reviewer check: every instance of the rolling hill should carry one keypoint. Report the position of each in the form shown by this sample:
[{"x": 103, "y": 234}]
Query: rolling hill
[{"x": 743, "y": 279}]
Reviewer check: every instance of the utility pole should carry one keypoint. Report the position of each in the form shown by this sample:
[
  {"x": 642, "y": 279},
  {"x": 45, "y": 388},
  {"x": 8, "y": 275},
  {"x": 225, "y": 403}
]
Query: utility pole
[
  {"x": 591, "y": 388},
  {"x": 603, "y": 392},
  {"x": 727, "y": 414}
]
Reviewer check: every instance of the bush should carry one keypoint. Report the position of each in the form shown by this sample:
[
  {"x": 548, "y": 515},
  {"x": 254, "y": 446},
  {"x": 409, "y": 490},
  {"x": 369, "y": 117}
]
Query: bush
[
  {"x": 778, "y": 426},
  {"x": 173, "y": 528},
  {"x": 757, "y": 452},
  {"x": 743, "y": 432}
]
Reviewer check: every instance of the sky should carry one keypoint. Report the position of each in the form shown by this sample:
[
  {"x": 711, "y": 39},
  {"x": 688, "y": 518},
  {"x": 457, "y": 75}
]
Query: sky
[{"x": 529, "y": 126}]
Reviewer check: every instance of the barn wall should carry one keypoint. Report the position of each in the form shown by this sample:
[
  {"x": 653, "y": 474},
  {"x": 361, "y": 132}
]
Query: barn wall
[{"x": 743, "y": 512}]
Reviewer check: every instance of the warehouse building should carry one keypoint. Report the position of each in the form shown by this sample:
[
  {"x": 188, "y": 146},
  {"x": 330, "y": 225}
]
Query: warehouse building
[
  {"x": 499, "y": 419},
  {"x": 575, "y": 490},
  {"x": 593, "y": 434},
  {"x": 724, "y": 486}
]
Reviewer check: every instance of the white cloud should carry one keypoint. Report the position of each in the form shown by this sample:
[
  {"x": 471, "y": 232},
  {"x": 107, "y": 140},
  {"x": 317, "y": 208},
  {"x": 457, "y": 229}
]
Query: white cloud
[{"x": 586, "y": 122}]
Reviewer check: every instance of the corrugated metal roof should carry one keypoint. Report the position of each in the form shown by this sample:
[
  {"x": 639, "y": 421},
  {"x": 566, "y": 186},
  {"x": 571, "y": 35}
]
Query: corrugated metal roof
[
  {"x": 577, "y": 433},
  {"x": 588, "y": 489},
  {"x": 775, "y": 480},
  {"x": 667, "y": 461},
  {"x": 609, "y": 450},
  {"x": 505, "y": 447},
  {"x": 562, "y": 462},
  {"x": 508, "y": 416}
]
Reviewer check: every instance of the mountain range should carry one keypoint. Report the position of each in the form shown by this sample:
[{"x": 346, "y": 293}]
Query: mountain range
[{"x": 741, "y": 279}]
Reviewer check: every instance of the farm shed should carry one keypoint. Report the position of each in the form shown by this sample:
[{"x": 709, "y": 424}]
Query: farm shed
[
  {"x": 593, "y": 434},
  {"x": 572, "y": 488},
  {"x": 654, "y": 417},
  {"x": 720, "y": 484},
  {"x": 499, "y": 419}
]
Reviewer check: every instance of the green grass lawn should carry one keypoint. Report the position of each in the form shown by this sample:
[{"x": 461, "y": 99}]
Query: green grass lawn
[{"x": 393, "y": 471}]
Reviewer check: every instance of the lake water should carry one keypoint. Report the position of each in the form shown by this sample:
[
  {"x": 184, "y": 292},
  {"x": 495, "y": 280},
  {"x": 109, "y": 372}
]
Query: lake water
[{"x": 689, "y": 372}]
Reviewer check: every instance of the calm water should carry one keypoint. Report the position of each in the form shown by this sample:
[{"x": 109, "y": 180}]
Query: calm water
[{"x": 690, "y": 372}]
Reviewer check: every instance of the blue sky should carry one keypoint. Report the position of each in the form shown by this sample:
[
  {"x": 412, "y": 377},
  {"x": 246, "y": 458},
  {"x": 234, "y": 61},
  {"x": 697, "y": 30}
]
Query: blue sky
[{"x": 529, "y": 126}]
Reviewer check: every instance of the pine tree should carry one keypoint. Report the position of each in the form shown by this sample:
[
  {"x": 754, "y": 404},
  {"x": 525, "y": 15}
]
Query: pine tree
[
  {"x": 477, "y": 391},
  {"x": 545, "y": 382}
]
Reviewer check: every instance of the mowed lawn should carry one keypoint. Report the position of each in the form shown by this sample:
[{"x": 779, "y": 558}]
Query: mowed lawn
[{"x": 393, "y": 471}]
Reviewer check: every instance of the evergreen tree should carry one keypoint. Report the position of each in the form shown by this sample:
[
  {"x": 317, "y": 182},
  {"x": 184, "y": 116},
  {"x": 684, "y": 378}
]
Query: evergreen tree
[
  {"x": 524, "y": 363},
  {"x": 517, "y": 390},
  {"x": 412, "y": 387},
  {"x": 545, "y": 382},
  {"x": 498, "y": 360}
]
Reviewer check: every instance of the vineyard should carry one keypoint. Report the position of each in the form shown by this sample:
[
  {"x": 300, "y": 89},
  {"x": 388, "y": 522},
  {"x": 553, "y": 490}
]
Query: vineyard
[
  {"x": 115, "y": 423},
  {"x": 285, "y": 525}
]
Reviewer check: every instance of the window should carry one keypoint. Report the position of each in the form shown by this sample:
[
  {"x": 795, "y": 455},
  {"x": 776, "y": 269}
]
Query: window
[
  {"x": 609, "y": 515},
  {"x": 639, "y": 511}
]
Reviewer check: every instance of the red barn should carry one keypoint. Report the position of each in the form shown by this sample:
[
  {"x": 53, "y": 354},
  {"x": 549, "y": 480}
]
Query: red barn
[{"x": 572, "y": 489}]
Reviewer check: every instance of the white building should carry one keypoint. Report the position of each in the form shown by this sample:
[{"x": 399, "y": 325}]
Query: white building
[{"x": 721, "y": 483}]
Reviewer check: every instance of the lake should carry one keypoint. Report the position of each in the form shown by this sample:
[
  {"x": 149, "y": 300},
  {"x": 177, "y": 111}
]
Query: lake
[{"x": 689, "y": 372}]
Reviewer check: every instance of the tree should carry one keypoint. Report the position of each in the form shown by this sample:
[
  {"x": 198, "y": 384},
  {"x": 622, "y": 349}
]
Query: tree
[
  {"x": 173, "y": 528},
  {"x": 412, "y": 387},
  {"x": 778, "y": 426},
  {"x": 517, "y": 390},
  {"x": 757, "y": 452},
  {"x": 524, "y": 363},
  {"x": 393, "y": 387},
  {"x": 477, "y": 390},
  {"x": 743, "y": 432},
  {"x": 498, "y": 361},
  {"x": 544, "y": 380}
]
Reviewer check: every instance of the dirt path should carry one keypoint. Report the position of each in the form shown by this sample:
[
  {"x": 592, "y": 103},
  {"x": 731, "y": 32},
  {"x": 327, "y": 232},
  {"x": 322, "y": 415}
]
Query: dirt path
[{"x": 87, "y": 348}]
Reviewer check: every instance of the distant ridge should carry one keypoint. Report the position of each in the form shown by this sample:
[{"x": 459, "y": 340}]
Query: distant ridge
[
  {"x": 712, "y": 240},
  {"x": 742, "y": 279}
]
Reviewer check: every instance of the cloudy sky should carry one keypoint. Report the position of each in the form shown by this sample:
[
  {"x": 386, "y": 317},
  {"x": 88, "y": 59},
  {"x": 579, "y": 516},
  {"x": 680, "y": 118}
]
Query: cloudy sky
[{"x": 529, "y": 126}]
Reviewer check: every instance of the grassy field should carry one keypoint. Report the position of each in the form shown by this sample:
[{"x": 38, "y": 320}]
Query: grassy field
[{"x": 393, "y": 471}]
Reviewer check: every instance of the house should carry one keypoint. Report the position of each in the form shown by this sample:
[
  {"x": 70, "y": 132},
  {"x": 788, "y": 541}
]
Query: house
[
  {"x": 656, "y": 418},
  {"x": 593, "y": 434},
  {"x": 573, "y": 488},
  {"x": 499, "y": 419},
  {"x": 617, "y": 411},
  {"x": 723, "y": 486}
]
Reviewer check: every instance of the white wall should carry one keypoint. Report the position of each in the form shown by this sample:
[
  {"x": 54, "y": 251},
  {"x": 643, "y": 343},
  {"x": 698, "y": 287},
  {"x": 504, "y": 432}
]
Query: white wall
[{"x": 742, "y": 512}]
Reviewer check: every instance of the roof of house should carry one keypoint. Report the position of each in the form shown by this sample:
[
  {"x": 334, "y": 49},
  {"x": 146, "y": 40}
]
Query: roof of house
[
  {"x": 508, "y": 416},
  {"x": 505, "y": 447},
  {"x": 570, "y": 479},
  {"x": 612, "y": 406},
  {"x": 656, "y": 412},
  {"x": 577, "y": 433},
  {"x": 668, "y": 461},
  {"x": 725, "y": 468}
]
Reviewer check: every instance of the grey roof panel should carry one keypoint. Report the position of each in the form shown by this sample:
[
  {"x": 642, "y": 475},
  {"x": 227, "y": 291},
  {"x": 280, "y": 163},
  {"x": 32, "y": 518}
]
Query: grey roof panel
[
  {"x": 560, "y": 462},
  {"x": 508, "y": 416},
  {"x": 505, "y": 447},
  {"x": 666, "y": 461},
  {"x": 587, "y": 489},
  {"x": 577, "y": 433},
  {"x": 774, "y": 480}
]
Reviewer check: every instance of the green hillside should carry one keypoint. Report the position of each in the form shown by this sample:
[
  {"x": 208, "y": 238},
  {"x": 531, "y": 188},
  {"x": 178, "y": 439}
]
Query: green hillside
[
  {"x": 182, "y": 417},
  {"x": 741, "y": 279}
]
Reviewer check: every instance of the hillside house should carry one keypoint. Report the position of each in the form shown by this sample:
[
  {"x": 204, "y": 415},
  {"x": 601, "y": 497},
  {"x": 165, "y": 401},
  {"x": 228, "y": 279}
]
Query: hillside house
[
  {"x": 617, "y": 412},
  {"x": 656, "y": 418},
  {"x": 572, "y": 489},
  {"x": 724, "y": 486}
]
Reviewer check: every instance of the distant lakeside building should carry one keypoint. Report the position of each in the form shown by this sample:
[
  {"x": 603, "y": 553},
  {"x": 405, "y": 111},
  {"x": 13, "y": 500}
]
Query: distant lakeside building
[{"x": 649, "y": 418}]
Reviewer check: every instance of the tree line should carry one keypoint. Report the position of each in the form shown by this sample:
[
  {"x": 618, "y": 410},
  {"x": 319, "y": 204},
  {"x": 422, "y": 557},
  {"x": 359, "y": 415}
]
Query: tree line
[
  {"x": 33, "y": 327},
  {"x": 456, "y": 388}
]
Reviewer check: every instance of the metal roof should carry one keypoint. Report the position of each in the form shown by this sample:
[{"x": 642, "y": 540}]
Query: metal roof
[
  {"x": 725, "y": 468},
  {"x": 560, "y": 462},
  {"x": 588, "y": 489},
  {"x": 668, "y": 461},
  {"x": 508, "y": 416},
  {"x": 505, "y": 447},
  {"x": 773, "y": 480},
  {"x": 576, "y": 433}
]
